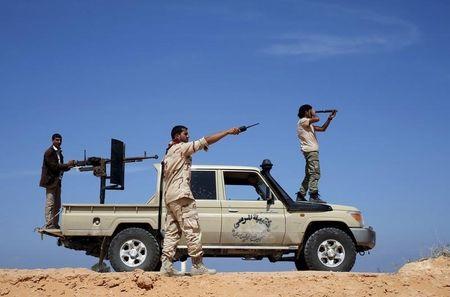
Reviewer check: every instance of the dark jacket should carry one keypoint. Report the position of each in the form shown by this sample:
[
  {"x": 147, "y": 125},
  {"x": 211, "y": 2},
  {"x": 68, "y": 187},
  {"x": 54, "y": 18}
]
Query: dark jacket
[{"x": 51, "y": 169}]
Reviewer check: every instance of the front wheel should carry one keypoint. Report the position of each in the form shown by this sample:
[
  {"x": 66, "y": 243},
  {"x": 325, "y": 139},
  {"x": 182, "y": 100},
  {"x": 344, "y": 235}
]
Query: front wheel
[
  {"x": 134, "y": 248},
  {"x": 300, "y": 262},
  {"x": 330, "y": 249}
]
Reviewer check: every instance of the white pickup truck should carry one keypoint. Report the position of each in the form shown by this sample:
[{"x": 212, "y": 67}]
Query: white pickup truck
[{"x": 243, "y": 213}]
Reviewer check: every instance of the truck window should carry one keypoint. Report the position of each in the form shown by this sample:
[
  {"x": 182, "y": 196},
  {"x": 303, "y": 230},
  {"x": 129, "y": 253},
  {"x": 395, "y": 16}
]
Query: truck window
[
  {"x": 203, "y": 185},
  {"x": 244, "y": 186}
]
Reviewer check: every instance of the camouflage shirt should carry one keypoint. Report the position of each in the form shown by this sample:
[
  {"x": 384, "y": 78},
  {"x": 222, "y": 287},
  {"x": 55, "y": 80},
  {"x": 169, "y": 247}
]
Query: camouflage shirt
[{"x": 177, "y": 169}]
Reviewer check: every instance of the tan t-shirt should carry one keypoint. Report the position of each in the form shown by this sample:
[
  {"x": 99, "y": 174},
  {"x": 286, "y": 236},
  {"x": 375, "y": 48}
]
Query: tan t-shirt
[
  {"x": 307, "y": 136},
  {"x": 177, "y": 169}
]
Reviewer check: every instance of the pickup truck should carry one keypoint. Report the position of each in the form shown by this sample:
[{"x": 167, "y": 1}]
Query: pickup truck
[{"x": 243, "y": 212}]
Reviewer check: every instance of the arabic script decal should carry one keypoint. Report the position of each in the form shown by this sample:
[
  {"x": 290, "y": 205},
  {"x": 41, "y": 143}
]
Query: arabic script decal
[{"x": 251, "y": 228}]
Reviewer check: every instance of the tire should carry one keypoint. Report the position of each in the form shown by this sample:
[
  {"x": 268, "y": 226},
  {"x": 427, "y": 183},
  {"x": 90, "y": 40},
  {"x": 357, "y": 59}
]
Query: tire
[
  {"x": 300, "y": 262},
  {"x": 158, "y": 266},
  {"x": 134, "y": 248},
  {"x": 330, "y": 249}
]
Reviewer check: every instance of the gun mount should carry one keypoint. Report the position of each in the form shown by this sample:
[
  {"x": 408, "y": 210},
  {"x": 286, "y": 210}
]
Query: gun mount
[{"x": 116, "y": 163}]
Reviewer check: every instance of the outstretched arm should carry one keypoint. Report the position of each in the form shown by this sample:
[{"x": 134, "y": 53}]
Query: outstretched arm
[
  {"x": 219, "y": 135},
  {"x": 190, "y": 148},
  {"x": 324, "y": 127}
]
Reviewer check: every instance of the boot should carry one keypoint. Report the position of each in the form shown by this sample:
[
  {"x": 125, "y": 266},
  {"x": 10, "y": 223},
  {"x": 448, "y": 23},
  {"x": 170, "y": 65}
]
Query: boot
[
  {"x": 168, "y": 270},
  {"x": 198, "y": 268},
  {"x": 300, "y": 197},
  {"x": 314, "y": 197}
]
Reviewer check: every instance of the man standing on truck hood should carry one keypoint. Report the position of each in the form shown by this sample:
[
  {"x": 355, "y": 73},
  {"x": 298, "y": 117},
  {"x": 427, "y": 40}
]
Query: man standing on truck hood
[
  {"x": 182, "y": 216},
  {"x": 306, "y": 132},
  {"x": 53, "y": 168}
]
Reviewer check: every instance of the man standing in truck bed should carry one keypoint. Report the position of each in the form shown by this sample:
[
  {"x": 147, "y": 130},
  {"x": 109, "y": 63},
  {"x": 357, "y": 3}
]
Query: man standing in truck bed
[
  {"x": 53, "y": 168},
  {"x": 182, "y": 216}
]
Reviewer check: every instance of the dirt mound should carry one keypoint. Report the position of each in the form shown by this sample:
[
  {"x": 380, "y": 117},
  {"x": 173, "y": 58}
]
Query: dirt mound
[
  {"x": 427, "y": 266},
  {"x": 425, "y": 278}
]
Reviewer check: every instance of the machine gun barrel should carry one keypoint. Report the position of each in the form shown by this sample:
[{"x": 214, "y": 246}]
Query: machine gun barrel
[
  {"x": 139, "y": 159},
  {"x": 91, "y": 162}
]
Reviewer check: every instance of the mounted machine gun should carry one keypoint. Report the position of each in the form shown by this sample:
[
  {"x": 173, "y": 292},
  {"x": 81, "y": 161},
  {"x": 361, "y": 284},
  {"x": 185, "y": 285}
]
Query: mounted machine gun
[{"x": 117, "y": 167}]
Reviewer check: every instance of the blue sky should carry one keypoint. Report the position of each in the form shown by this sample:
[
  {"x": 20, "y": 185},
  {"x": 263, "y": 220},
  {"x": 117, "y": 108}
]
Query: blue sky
[{"x": 93, "y": 70}]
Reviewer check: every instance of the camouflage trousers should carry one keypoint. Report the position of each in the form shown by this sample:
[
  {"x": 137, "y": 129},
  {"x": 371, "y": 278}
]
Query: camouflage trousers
[
  {"x": 312, "y": 173},
  {"x": 182, "y": 218}
]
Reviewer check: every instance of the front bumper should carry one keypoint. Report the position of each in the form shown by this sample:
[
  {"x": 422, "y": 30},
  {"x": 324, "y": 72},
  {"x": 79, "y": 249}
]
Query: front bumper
[{"x": 365, "y": 238}]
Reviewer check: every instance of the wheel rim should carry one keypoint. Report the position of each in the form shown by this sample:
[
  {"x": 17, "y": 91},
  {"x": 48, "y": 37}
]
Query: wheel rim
[
  {"x": 331, "y": 253},
  {"x": 133, "y": 253}
]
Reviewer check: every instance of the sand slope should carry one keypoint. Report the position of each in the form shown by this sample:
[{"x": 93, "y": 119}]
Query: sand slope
[{"x": 426, "y": 278}]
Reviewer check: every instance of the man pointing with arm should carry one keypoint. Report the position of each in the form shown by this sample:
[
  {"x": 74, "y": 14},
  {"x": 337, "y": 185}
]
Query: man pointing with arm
[{"x": 182, "y": 216}]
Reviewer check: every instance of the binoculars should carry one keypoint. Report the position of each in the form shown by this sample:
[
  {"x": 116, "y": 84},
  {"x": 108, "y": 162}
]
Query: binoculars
[{"x": 326, "y": 111}]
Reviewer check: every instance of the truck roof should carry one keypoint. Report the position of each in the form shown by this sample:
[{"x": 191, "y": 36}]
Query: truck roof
[{"x": 218, "y": 167}]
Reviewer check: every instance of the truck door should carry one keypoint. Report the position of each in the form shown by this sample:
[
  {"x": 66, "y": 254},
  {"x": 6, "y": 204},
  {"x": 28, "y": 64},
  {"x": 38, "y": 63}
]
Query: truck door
[
  {"x": 203, "y": 186},
  {"x": 247, "y": 218}
]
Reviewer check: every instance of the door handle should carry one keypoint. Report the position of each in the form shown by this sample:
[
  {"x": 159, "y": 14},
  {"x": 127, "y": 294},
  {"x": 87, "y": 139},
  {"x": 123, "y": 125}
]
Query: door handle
[{"x": 232, "y": 210}]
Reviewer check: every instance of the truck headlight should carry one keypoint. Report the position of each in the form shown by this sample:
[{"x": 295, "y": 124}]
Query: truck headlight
[{"x": 357, "y": 215}]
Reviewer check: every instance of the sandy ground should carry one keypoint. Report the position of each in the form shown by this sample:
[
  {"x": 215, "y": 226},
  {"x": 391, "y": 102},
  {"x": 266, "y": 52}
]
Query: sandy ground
[{"x": 426, "y": 278}]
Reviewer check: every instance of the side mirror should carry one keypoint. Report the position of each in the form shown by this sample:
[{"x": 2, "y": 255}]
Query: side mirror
[{"x": 269, "y": 198}]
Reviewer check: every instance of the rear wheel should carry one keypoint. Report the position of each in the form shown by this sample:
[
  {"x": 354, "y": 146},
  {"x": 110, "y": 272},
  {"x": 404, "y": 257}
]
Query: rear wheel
[
  {"x": 330, "y": 249},
  {"x": 134, "y": 248}
]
